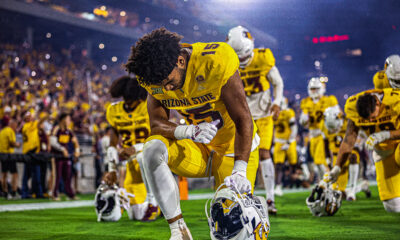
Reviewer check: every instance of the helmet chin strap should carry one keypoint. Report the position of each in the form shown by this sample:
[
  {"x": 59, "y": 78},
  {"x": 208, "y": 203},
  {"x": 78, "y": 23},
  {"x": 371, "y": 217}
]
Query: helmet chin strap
[{"x": 246, "y": 62}]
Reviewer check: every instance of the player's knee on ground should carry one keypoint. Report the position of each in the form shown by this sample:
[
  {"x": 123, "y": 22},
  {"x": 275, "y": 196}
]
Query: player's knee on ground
[
  {"x": 154, "y": 153},
  {"x": 392, "y": 205}
]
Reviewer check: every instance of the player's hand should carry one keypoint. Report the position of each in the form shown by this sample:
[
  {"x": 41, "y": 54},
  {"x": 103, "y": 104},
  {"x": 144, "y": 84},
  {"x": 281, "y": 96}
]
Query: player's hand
[
  {"x": 238, "y": 180},
  {"x": 110, "y": 178},
  {"x": 376, "y": 138},
  {"x": 333, "y": 175},
  {"x": 201, "y": 133},
  {"x": 285, "y": 147},
  {"x": 275, "y": 110},
  {"x": 65, "y": 152},
  {"x": 126, "y": 153},
  {"x": 304, "y": 119}
]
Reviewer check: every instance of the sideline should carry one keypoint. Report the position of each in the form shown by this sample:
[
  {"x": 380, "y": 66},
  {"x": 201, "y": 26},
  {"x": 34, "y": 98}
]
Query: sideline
[{"x": 88, "y": 203}]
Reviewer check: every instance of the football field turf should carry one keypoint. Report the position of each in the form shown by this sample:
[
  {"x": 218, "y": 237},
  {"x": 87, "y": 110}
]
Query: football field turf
[{"x": 363, "y": 219}]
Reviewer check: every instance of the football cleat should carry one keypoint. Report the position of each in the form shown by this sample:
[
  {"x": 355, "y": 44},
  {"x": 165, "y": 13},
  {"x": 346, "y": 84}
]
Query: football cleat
[
  {"x": 232, "y": 215},
  {"x": 181, "y": 232},
  {"x": 271, "y": 207},
  {"x": 151, "y": 213},
  {"x": 324, "y": 201}
]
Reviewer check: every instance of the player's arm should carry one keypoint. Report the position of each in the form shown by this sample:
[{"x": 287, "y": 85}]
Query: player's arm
[
  {"x": 274, "y": 77},
  {"x": 76, "y": 146},
  {"x": 55, "y": 144},
  {"x": 345, "y": 149},
  {"x": 234, "y": 98},
  {"x": 159, "y": 118},
  {"x": 112, "y": 159},
  {"x": 293, "y": 130}
]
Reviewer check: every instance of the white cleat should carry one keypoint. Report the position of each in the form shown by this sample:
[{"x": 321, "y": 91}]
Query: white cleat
[
  {"x": 278, "y": 190},
  {"x": 181, "y": 232},
  {"x": 350, "y": 196}
]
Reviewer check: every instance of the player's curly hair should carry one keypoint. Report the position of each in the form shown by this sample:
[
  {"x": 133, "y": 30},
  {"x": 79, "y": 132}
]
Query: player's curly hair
[
  {"x": 128, "y": 88},
  {"x": 154, "y": 56},
  {"x": 366, "y": 105}
]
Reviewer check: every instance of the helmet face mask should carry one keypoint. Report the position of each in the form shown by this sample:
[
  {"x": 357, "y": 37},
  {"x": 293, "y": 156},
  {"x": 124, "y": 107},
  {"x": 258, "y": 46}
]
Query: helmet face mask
[
  {"x": 242, "y": 42},
  {"x": 109, "y": 201},
  {"x": 236, "y": 216},
  {"x": 324, "y": 201},
  {"x": 316, "y": 88},
  {"x": 333, "y": 119},
  {"x": 392, "y": 66}
]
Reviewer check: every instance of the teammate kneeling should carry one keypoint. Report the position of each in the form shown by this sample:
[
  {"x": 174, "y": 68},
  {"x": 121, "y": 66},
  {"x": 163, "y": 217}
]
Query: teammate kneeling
[
  {"x": 201, "y": 81},
  {"x": 377, "y": 113},
  {"x": 130, "y": 123}
]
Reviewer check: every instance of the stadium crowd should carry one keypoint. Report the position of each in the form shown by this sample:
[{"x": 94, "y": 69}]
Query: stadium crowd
[{"x": 38, "y": 86}]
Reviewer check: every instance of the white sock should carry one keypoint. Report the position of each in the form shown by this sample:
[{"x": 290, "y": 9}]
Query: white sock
[
  {"x": 178, "y": 223},
  {"x": 160, "y": 178},
  {"x": 353, "y": 176},
  {"x": 268, "y": 173},
  {"x": 320, "y": 171},
  {"x": 306, "y": 172}
]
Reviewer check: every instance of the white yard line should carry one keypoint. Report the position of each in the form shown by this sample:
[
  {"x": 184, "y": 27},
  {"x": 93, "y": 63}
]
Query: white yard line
[{"x": 88, "y": 203}]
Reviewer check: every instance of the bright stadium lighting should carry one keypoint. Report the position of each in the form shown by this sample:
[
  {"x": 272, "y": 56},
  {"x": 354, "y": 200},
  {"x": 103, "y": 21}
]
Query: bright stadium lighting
[
  {"x": 176, "y": 21},
  {"x": 122, "y": 13},
  {"x": 171, "y": 21},
  {"x": 44, "y": 82},
  {"x": 317, "y": 63},
  {"x": 147, "y": 19},
  {"x": 47, "y": 56},
  {"x": 16, "y": 59},
  {"x": 182, "y": 121},
  {"x": 33, "y": 73},
  {"x": 48, "y": 35},
  {"x": 346, "y": 96},
  {"x": 101, "y": 45},
  {"x": 103, "y": 8},
  {"x": 114, "y": 59},
  {"x": 297, "y": 96},
  {"x": 287, "y": 58},
  {"x": 104, "y": 67},
  {"x": 26, "y": 82}
]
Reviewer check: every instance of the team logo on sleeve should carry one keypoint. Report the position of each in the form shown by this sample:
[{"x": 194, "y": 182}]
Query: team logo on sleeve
[{"x": 156, "y": 91}]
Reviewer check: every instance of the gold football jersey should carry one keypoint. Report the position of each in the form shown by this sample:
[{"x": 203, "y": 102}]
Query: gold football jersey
[
  {"x": 254, "y": 76},
  {"x": 210, "y": 66},
  {"x": 315, "y": 111},
  {"x": 134, "y": 127},
  {"x": 380, "y": 80},
  {"x": 388, "y": 118},
  {"x": 281, "y": 125}
]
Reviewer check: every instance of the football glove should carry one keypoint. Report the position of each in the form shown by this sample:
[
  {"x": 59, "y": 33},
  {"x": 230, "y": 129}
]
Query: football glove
[
  {"x": 238, "y": 181},
  {"x": 333, "y": 175},
  {"x": 285, "y": 147},
  {"x": 201, "y": 133},
  {"x": 303, "y": 118},
  {"x": 376, "y": 138}
]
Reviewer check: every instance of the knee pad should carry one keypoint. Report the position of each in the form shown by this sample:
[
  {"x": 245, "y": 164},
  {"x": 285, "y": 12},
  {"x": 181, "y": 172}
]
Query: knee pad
[{"x": 154, "y": 153}]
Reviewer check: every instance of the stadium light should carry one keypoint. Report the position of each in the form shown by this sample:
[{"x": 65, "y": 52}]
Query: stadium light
[
  {"x": 114, "y": 59},
  {"x": 16, "y": 59},
  {"x": 101, "y": 45},
  {"x": 147, "y": 19},
  {"x": 104, "y": 67},
  {"x": 182, "y": 121},
  {"x": 47, "y": 56},
  {"x": 48, "y": 35},
  {"x": 122, "y": 13},
  {"x": 33, "y": 73},
  {"x": 44, "y": 82}
]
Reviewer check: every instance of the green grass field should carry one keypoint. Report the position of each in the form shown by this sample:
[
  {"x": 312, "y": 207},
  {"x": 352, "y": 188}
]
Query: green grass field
[{"x": 363, "y": 219}]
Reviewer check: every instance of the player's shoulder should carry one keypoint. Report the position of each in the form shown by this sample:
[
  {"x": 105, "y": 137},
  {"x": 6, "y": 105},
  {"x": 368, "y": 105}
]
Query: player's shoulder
[
  {"x": 114, "y": 106},
  {"x": 391, "y": 96},
  {"x": 380, "y": 80},
  {"x": 264, "y": 56},
  {"x": 305, "y": 101}
]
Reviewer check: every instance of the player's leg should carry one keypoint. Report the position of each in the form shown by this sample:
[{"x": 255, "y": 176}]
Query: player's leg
[
  {"x": 392, "y": 205},
  {"x": 319, "y": 155},
  {"x": 353, "y": 176},
  {"x": 185, "y": 158},
  {"x": 388, "y": 179},
  {"x": 291, "y": 154},
  {"x": 4, "y": 179},
  {"x": 133, "y": 184},
  {"x": 279, "y": 160},
  {"x": 266, "y": 127}
]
